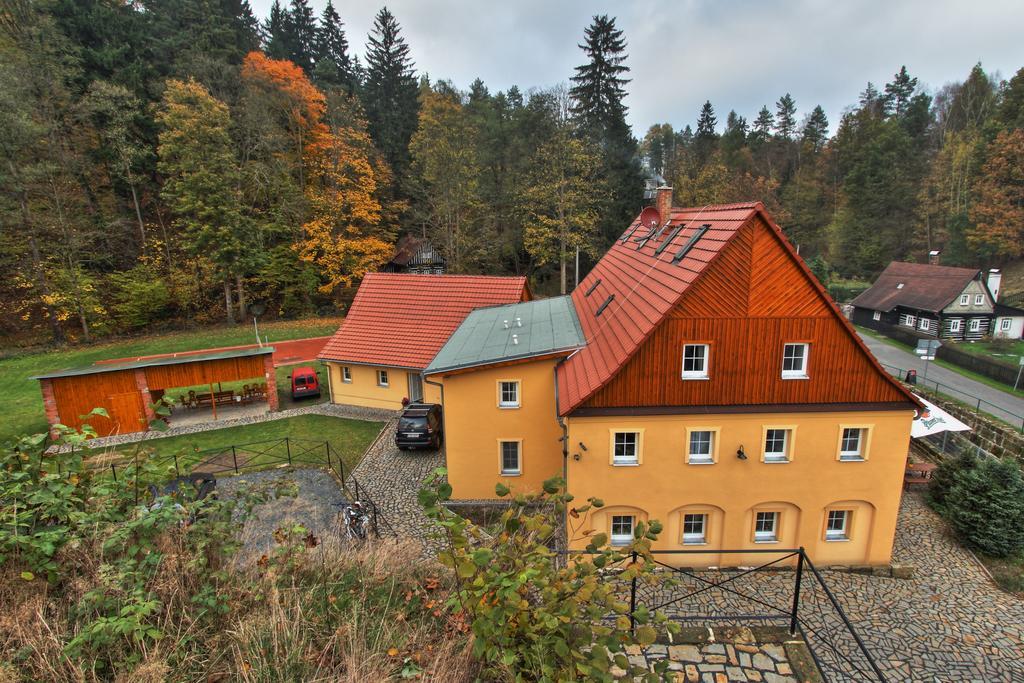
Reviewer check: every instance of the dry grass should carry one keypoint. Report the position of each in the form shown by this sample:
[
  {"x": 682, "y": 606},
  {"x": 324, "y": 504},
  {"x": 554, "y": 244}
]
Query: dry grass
[{"x": 335, "y": 613}]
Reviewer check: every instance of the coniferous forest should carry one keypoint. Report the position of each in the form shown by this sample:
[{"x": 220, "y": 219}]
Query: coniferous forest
[{"x": 169, "y": 162}]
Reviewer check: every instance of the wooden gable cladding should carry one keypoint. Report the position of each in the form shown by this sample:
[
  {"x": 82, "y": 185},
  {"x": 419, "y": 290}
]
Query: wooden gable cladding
[
  {"x": 115, "y": 392},
  {"x": 753, "y": 298},
  {"x": 204, "y": 372}
]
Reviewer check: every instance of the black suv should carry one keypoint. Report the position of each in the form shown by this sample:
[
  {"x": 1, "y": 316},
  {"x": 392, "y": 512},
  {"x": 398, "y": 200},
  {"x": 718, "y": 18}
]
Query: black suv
[{"x": 419, "y": 427}]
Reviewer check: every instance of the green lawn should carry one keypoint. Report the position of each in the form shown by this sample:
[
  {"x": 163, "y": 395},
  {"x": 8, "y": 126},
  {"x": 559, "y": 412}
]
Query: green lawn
[
  {"x": 1008, "y": 351},
  {"x": 23, "y": 405},
  {"x": 306, "y": 434},
  {"x": 1007, "y": 571}
]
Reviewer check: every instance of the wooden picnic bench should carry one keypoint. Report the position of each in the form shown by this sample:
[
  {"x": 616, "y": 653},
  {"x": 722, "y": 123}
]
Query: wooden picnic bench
[
  {"x": 918, "y": 474},
  {"x": 218, "y": 397}
]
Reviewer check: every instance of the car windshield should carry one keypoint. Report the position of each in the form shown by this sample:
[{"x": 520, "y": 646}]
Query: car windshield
[{"x": 412, "y": 422}]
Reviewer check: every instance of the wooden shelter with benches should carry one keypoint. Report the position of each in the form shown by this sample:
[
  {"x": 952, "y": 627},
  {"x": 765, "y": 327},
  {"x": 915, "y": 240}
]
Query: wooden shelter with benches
[{"x": 127, "y": 390}]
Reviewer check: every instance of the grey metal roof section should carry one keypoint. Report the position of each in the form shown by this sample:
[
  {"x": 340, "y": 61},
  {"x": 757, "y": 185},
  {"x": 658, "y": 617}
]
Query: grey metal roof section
[
  {"x": 544, "y": 326},
  {"x": 151, "y": 362}
]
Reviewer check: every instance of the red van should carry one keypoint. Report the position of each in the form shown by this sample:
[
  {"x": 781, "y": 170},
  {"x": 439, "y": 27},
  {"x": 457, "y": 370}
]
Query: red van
[{"x": 305, "y": 382}]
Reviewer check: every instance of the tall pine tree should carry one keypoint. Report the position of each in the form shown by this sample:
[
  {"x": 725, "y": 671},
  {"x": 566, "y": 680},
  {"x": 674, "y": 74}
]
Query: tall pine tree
[
  {"x": 301, "y": 34},
  {"x": 333, "y": 66},
  {"x": 390, "y": 93},
  {"x": 597, "y": 104}
]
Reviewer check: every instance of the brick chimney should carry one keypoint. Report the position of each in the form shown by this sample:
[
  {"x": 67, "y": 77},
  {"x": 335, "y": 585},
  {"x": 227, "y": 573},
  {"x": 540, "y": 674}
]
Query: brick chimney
[
  {"x": 933, "y": 257},
  {"x": 664, "y": 203}
]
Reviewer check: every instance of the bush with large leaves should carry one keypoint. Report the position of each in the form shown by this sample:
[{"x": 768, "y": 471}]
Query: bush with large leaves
[{"x": 533, "y": 617}]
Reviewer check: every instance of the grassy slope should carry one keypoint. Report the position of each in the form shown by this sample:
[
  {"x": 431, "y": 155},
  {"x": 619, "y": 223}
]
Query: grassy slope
[
  {"x": 23, "y": 404},
  {"x": 348, "y": 438}
]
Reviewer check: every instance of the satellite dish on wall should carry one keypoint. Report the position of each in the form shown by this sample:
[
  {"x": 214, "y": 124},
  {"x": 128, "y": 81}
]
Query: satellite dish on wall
[{"x": 650, "y": 217}]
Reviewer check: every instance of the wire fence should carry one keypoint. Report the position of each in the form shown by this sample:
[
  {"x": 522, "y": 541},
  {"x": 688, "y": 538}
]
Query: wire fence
[
  {"x": 253, "y": 457},
  {"x": 786, "y": 590},
  {"x": 976, "y": 403}
]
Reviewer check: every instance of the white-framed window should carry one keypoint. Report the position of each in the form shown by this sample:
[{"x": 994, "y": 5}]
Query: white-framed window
[
  {"x": 974, "y": 325},
  {"x": 776, "y": 445},
  {"x": 382, "y": 378},
  {"x": 908, "y": 320},
  {"x": 979, "y": 299},
  {"x": 794, "y": 360},
  {"x": 836, "y": 525},
  {"x": 877, "y": 315},
  {"x": 924, "y": 324},
  {"x": 851, "y": 444},
  {"x": 766, "y": 526},
  {"x": 626, "y": 448},
  {"x": 702, "y": 447},
  {"x": 965, "y": 299},
  {"x": 1005, "y": 324},
  {"x": 622, "y": 529},
  {"x": 511, "y": 458},
  {"x": 695, "y": 525},
  {"x": 346, "y": 373},
  {"x": 508, "y": 394},
  {"x": 955, "y": 325},
  {"x": 695, "y": 361}
]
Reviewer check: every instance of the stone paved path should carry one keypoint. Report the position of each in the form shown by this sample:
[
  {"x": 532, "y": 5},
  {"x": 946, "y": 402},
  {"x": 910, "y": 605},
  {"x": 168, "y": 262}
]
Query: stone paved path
[
  {"x": 393, "y": 477},
  {"x": 949, "y": 623}
]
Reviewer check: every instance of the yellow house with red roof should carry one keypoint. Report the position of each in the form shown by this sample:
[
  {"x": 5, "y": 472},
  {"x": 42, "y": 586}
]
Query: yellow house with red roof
[
  {"x": 699, "y": 375},
  {"x": 396, "y": 324}
]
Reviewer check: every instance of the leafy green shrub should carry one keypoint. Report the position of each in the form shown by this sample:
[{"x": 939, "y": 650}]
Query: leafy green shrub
[
  {"x": 946, "y": 476},
  {"x": 844, "y": 291},
  {"x": 534, "y": 618},
  {"x": 985, "y": 506}
]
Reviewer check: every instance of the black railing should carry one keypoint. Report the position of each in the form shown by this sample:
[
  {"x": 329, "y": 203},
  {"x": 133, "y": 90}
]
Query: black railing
[
  {"x": 256, "y": 456},
  {"x": 786, "y": 591}
]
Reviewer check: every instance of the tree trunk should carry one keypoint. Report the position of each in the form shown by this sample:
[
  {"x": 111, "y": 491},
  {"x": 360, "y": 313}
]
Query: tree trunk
[
  {"x": 86, "y": 337},
  {"x": 44, "y": 287},
  {"x": 227, "y": 301},
  {"x": 561, "y": 262},
  {"x": 241, "y": 297},
  {"x": 138, "y": 215}
]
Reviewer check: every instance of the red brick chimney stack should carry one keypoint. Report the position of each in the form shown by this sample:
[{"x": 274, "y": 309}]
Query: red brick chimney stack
[{"x": 664, "y": 203}]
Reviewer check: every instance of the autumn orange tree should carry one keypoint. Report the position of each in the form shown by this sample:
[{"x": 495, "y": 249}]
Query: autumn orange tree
[
  {"x": 335, "y": 175},
  {"x": 998, "y": 212}
]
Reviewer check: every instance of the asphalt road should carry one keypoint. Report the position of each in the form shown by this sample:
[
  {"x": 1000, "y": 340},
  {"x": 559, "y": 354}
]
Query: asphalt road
[{"x": 1002, "y": 404}]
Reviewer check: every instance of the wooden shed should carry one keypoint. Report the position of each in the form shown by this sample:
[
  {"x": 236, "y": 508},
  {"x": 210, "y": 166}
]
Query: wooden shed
[{"x": 127, "y": 390}]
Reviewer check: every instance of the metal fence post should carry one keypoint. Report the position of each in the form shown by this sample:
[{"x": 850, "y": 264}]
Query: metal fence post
[
  {"x": 327, "y": 448},
  {"x": 177, "y": 472},
  {"x": 288, "y": 447},
  {"x": 113, "y": 471},
  {"x": 234, "y": 459},
  {"x": 796, "y": 592},
  {"x": 632, "y": 601}
]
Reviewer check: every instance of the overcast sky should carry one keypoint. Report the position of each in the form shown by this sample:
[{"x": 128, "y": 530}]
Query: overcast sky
[{"x": 739, "y": 54}]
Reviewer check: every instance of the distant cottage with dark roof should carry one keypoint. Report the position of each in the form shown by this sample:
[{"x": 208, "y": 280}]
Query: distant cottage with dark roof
[
  {"x": 932, "y": 300},
  {"x": 415, "y": 255}
]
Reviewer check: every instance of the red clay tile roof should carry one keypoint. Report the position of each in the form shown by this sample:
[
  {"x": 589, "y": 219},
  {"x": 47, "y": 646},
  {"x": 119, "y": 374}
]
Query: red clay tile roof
[
  {"x": 646, "y": 287},
  {"x": 925, "y": 287},
  {"x": 402, "y": 320}
]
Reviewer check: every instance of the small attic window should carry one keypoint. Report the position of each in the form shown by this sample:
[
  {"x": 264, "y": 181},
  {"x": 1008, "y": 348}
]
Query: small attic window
[
  {"x": 590, "y": 290},
  {"x": 899, "y": 285},
  {"x": 600, "y": 309}
]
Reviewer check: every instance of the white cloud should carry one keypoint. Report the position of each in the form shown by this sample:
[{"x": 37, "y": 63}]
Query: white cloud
[{"x": 738, "y": 54}]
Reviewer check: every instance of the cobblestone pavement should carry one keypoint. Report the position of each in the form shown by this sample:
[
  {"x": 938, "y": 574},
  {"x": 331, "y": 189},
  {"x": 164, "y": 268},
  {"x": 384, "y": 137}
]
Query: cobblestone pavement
[
  {"x": 392, "y": 478},
  {"x": 948, "y": 623}
]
